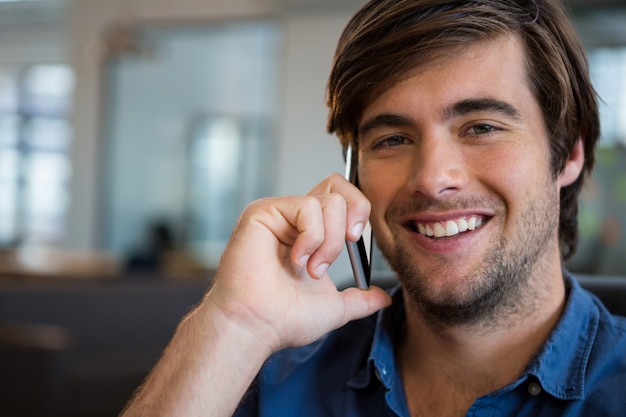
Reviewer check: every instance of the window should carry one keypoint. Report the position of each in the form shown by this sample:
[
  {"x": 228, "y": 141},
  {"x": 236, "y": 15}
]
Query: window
[
  {"x": 34, "y": 141},
  {"x": 608, "y": 70}
]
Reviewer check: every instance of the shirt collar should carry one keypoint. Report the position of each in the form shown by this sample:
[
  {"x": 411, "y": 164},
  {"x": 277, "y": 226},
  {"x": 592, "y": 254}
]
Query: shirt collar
[{"x": 560, "y": 366}]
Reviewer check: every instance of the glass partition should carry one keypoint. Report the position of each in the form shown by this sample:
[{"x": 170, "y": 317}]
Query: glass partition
[{"x": 188, "y": 137}]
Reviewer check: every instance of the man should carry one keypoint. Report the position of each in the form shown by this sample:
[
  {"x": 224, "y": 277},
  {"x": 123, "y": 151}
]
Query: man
[{"x": 475, "y": 123}]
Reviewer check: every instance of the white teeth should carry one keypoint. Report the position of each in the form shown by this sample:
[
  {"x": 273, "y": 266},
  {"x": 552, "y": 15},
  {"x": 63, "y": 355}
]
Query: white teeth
[
  {"x": 462, "y": 225},
  {"x": 439, "y": 230},
  {"x": 450, "y": 227}
]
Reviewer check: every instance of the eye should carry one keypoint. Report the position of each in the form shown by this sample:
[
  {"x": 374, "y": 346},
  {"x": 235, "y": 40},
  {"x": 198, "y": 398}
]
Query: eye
[
  {"x": 481, "y": 129},
  {"x": 391, "y": 141}
]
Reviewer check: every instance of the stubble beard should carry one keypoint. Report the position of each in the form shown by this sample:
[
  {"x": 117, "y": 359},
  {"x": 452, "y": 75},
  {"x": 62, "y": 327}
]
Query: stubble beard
[{"x": 499, "y": 287}]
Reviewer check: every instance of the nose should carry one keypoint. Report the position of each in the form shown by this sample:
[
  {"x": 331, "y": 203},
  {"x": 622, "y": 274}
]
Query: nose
[{"x": 439, "y": 169}]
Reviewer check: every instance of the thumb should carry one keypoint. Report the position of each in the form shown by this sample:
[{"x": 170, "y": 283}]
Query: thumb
[{"x": 362, "y": 303}]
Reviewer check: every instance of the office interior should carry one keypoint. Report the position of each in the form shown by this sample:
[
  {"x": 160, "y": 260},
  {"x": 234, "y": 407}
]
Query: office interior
[{"x": 133, "y": 133}]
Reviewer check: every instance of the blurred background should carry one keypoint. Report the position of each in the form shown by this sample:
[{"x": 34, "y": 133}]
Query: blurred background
[{"x": 132, "y": 134}]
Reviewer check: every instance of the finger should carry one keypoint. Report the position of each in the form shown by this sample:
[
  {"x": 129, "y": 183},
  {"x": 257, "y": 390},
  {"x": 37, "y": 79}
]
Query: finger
[
  {"x": 295, "y": 223},
  {"x": 362, "y": 303},
  {"x": 311, "y": 228},
  {"x": 358, "y": 207},
  {"x": 334, "y": 215}
]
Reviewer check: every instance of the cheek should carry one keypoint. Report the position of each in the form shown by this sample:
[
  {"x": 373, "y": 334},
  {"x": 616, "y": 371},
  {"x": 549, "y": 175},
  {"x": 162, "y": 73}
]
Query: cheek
[
  {"x": 379, "y": 186},
  {"x": 515, "y": 174},
  {"x": 504, "y": 172},
  {"x": 371, "y": 186}
]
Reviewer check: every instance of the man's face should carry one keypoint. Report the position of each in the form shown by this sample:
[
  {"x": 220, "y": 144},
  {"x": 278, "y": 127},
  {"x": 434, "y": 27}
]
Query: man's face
[{"x": 455, "y": 161}]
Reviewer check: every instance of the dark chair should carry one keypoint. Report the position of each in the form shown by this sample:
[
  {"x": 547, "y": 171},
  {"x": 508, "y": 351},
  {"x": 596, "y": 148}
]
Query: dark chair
[
  {"x": 610, "y": 289},
  {"x": 80, "y": 348},
  {"x": 30, "y": 357}
]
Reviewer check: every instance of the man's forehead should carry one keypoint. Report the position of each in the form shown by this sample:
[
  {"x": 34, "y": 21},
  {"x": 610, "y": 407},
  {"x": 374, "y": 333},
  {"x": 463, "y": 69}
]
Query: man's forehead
[
  {"x": 479, "y": 77},
  {"x": 434, "y": 60}
]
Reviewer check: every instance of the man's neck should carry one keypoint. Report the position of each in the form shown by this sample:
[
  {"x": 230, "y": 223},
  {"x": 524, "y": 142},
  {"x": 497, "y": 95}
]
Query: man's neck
[{"x": 451, "y": 366}]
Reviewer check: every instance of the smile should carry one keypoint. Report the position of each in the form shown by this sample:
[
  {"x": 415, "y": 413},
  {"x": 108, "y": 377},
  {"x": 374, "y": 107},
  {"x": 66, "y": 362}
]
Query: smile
[{"x": 448, "y": 228}]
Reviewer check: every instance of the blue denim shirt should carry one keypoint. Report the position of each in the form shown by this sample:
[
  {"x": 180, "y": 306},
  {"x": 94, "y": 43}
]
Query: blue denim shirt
[{"x": 580, "y": 371}]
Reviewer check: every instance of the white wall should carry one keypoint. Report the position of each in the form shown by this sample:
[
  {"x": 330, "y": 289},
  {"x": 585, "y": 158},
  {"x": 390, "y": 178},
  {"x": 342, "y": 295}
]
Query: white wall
[{"x": 307, "y": 149}]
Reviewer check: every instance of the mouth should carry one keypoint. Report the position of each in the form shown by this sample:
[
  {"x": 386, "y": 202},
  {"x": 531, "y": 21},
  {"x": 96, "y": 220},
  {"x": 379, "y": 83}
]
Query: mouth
[{"x": 447, "y": 228}]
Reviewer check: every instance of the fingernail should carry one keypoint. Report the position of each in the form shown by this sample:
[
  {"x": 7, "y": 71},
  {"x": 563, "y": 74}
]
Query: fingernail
[
  {"x": 357, "y": 230},
  {"x": 321, "y": 270}
]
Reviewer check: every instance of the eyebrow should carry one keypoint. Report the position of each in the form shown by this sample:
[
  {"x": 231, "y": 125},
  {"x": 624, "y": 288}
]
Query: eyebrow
[
  {"x": 464, "y": 107},
  {"x": 460, "y": 108},
  {"x": 384, "y": 120}
]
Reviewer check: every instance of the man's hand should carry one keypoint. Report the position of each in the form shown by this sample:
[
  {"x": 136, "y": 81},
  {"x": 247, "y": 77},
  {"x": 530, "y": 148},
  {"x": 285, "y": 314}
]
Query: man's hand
[
  {"x": 271, "y": 291},
  {"x": 272, "y": 276}
]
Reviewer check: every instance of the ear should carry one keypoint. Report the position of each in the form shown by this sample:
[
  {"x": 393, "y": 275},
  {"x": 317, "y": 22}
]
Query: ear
[{"x": 573, "y": 165}]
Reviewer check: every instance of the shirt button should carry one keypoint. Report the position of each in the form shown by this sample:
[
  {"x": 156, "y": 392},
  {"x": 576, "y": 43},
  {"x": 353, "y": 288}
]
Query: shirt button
[
  {"x": 380, "y": 373},
  {"x": 534, "y": 389}
]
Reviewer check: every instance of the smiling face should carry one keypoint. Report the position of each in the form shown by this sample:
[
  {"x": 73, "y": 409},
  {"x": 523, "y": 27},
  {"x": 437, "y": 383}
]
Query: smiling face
[{"x": 455, "y": 161}]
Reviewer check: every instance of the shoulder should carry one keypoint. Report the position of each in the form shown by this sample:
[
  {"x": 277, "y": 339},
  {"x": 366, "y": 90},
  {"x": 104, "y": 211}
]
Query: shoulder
[
  {"x": 610, "y": 339},
  {"x": 606, "y": 369},
  {"x": 605, "y": 391},
  {"x": 342, "y": 350},
  {"x": 315, "y": 375}
]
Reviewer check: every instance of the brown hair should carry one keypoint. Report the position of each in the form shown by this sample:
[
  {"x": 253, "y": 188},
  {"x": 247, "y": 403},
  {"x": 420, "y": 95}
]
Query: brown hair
[{"x": 387, "y": 38}]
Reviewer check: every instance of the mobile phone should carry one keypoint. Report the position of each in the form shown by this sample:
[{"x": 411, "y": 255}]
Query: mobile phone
[{"x": 360, "y": 251}]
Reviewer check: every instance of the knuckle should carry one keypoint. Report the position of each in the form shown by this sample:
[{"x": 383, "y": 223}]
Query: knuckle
[
  {"x": 336, "y": 178},
  {"x": 256, "y": 208},
  {"x": 311, "y": 203},
  {"x": 336, "y": 199}
]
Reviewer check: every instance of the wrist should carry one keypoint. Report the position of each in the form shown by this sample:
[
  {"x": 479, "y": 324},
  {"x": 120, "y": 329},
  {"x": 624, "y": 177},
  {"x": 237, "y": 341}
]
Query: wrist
[
  {"x": 239, "y": 331},
  {"x": 205, "y": 370}
]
